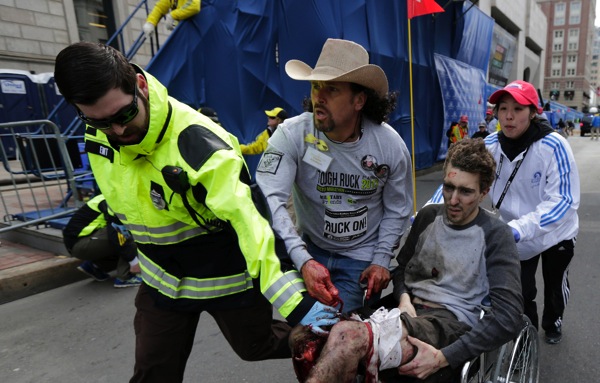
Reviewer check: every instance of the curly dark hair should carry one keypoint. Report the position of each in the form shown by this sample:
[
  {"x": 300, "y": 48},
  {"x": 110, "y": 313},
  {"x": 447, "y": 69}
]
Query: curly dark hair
[
  {"x": 376, "y": 108},
  {"x": 86, "y": 71},
  {"x": 470, "y": 155}
]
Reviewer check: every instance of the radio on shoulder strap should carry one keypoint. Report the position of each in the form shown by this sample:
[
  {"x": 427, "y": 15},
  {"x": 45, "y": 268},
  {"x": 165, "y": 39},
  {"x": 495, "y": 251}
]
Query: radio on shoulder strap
[{"x": 177, "y": 180}]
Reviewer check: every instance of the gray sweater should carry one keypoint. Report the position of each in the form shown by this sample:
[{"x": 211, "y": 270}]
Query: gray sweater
[
  {"x": 456, "y": 267},
  {"x": 358, "y": 207}
]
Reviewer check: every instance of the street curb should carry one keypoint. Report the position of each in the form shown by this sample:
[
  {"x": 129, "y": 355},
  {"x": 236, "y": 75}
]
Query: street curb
[{"x": 36, "y": 277}]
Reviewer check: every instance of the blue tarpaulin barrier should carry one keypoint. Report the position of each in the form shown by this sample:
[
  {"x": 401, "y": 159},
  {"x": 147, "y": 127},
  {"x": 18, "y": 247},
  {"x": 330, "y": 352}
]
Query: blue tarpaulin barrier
[
  {"x": 463, "y": 92},
  {"x": 231, "y": 56}
]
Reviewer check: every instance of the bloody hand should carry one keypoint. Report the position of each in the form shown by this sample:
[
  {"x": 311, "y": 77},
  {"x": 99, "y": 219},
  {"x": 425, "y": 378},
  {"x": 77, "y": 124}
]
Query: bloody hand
[
  {"x": 377, "y": 278},
  {"x": 318, "y": 283}
]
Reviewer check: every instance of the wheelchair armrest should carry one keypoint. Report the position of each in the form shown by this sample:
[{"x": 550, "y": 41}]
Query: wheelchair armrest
[{"x": 473, "y": 370}]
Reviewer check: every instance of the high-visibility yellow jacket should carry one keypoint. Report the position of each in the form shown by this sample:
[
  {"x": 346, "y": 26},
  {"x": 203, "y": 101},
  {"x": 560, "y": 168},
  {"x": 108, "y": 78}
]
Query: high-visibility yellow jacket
[
  {"x": 180, "y": 10},
  {"x": 458, "y": 133},
  {"x": 259, "y": 145},
  {"x": 187, "y": 265}
]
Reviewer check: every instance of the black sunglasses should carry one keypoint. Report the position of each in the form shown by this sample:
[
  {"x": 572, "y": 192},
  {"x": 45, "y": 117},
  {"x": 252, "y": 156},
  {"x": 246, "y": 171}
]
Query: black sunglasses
[{"x": 125, "y": 115}]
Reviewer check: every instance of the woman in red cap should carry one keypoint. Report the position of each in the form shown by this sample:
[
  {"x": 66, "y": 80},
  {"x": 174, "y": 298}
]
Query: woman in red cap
[{"x": 537, "y": 193}]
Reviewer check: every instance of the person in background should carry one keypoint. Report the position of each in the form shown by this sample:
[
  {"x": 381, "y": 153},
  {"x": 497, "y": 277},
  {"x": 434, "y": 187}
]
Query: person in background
[
  {"x": 173, "y": 12},
  {"x": 210, "y": 113},
  {"x": 537, "y": 192},
  {"x": 492, "y": 122},
  {"x": 595, "y": 130},
  {"x": 350, "y": 173},
  {"x": 459, "y": 131},
  {"x": 96, "y": 236},
  {"x": 482, "y": 132},
  {"x": 274, "y": 117},
  {"x": 562, "y": 128},
  {"x": 179, "y": 182},
  {"x": 570, "y": 127}
]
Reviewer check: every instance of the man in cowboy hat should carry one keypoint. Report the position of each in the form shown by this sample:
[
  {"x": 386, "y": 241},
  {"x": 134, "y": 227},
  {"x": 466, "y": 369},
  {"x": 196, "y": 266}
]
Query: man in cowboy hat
[{"x": 351, "y": 175}]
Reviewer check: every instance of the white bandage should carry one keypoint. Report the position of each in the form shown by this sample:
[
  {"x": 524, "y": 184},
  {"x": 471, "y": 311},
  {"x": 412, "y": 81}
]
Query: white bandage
[{"x": 387, "y": 332}]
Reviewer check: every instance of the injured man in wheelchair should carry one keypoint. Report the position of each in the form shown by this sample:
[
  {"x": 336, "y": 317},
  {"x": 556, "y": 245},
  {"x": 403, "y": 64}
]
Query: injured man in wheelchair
[{"x": 457, "y": 261}]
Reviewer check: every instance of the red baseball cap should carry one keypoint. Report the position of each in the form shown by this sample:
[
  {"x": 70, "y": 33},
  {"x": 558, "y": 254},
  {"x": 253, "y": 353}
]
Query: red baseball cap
[
  {"x": 523, "y": 92},
  {"x": 464, "y": 118}
]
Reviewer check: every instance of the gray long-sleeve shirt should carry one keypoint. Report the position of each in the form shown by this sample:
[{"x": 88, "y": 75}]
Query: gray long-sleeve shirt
[
  {"x": 456, "y": 267},
  {"x": 357, "y": 207}
]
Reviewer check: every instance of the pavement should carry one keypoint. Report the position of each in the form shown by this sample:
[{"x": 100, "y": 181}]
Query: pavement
[
  {"x": 34, "y": 260},
  {"x": 25, "y": 270}
]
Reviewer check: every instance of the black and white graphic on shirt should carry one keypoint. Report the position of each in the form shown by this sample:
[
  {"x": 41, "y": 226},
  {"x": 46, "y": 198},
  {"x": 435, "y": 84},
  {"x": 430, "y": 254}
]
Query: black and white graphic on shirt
[
  {"x": 269, "y": 163},
  {"x": 344, "y": 226}
]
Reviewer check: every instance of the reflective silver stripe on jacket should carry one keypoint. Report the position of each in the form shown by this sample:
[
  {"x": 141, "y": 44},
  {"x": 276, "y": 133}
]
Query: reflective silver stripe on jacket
[
  {"x": 291, "y": 282},
  {"x": 145, "y": 234},
  {"x": 192, "y": 288}
]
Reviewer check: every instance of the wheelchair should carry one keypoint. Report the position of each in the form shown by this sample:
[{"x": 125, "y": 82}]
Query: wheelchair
[{"x": 514, "y": 362}]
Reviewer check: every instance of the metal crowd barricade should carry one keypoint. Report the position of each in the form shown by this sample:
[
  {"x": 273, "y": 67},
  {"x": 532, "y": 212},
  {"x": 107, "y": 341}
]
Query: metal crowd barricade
[{"x": 49, "y": 178}]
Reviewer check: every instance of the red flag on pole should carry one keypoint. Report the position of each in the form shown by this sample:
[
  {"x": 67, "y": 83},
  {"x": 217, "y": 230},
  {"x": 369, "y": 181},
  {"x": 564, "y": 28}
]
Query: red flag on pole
[{"x": 422, "y": 7}]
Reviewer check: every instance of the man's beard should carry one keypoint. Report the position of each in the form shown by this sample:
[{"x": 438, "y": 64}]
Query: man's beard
[{"x": 322, "y": 126}]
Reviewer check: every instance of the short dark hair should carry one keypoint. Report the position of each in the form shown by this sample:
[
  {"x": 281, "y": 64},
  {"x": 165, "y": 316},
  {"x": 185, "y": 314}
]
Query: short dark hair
[
  {"x": 86, "y": 71},
  {"x": 470, "y": 155}
]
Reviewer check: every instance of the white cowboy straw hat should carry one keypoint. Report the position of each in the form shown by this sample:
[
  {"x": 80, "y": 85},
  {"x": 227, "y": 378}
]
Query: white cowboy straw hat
[{"x": 341, "y": 60}]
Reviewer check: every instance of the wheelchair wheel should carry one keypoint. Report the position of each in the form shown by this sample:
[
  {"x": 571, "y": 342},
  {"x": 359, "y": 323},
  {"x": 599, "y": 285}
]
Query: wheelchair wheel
[{"x": 518, "y": 361}]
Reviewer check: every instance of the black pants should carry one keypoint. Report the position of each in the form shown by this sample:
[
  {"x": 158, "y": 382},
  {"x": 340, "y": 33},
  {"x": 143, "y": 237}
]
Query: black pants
[
  {"x": 555, "y": 271},
  {"x": 164, "y": 338}
]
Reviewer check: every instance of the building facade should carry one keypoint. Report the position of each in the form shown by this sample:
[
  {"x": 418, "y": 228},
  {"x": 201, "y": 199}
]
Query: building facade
[
  {"x": 595, "y": 64},
  {"x": 32, "y": 32},
  {"x": 546, "y": 42},
  {"x": 568, "y": 75},
  {"x": 520, "y": 36}
]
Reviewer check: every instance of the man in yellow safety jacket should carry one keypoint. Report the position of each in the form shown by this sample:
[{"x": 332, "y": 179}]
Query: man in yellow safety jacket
[
  {"x": 459, "y": 131},
  {"x": 179, "y": 183},
  {"x": 275, "y": 117}
]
